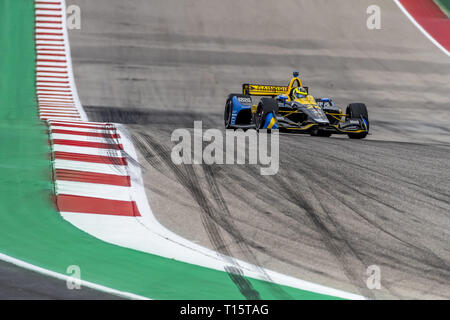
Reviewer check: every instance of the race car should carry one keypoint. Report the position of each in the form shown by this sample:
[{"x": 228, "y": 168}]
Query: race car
[{"x": 292, "y": 108}]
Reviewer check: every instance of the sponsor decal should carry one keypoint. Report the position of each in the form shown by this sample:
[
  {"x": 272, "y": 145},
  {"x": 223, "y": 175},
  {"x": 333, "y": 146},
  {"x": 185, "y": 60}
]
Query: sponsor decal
[
  {"x": 264, "y": 88},
  {"x": 244, "y": 100}
]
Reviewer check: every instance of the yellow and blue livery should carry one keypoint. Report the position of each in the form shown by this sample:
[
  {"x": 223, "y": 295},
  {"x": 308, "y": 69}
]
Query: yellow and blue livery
[{"x": 292, "y": 108}]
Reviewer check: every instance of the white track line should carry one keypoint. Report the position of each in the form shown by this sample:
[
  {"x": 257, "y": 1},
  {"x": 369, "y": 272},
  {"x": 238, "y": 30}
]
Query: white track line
[{"x": 63, "y": 277}]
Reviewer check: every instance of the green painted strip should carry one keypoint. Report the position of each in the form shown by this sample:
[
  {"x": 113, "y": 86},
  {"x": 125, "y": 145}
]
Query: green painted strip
[
  {"x": 33, "y": 231},
  {"x": 444, "y": 5}
]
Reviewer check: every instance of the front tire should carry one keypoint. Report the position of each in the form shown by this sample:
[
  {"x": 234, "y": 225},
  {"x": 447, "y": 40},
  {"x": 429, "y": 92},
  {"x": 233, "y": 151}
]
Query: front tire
[
  {"x": 358, "y": 111},
  {"x": 265, "y": 108}
]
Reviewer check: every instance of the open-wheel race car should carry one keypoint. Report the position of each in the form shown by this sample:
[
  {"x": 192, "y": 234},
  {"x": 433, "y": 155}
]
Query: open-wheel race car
[{"x": 292, "y": 108}]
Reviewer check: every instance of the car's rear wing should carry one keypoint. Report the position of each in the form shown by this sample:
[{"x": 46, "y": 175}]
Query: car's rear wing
[{"x": 263, "y": 90}]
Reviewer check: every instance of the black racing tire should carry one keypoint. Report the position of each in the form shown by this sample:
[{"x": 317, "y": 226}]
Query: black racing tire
[
  {"x": 265, "y": 106},
  {"x": 269, "y": 105},
  {"x": 227, "y": 113},
  {"x": 358, "y": 111}
]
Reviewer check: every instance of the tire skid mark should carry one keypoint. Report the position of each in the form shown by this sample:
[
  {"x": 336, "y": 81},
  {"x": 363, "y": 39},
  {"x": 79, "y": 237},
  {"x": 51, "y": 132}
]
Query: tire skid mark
[
  {"x": 335, "y": 195},
  {"x": 265, "y": 197},
  {"x": 434, "y": 267},
  {"x": 211, "y": 218},
  {"x": 154, "y": 154},
  {"x": 232, "y": 229},
  {"x": 335, "y": 241},
  {"x": 428, "y": 192},
  {"x": 440, "y": 266}
]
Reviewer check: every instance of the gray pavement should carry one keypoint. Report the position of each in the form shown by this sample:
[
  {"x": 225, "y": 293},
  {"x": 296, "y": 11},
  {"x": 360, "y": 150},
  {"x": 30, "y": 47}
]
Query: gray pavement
[{"x": 19, "y": 284}]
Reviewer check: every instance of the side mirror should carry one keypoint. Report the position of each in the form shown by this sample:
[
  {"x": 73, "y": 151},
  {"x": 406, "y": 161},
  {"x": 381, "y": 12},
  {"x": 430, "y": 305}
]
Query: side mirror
[{"x": 307, "y": 89}]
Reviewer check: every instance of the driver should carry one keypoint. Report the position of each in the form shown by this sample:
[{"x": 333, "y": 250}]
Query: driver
[{"x": 299, "y": 93}]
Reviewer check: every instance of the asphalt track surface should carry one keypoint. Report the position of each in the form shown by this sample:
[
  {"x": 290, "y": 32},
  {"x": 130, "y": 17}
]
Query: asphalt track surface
[
  {"x": 19, "y": 284},
  {"x": 337, "y": 205}
]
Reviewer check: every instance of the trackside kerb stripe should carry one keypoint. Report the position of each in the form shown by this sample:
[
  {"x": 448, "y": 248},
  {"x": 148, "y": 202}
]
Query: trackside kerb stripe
[
  {"x": 71, "y": 203},
  {"x": 92, "y": 177},
  {"x": 90, "y": 134},
  {"x": 430, "y": 20},
  {"x": 88, "y": 144},
  {"x": 90, "y": 158}
]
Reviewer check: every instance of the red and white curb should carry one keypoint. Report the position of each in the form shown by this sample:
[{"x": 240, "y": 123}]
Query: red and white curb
[
  {"x": 91, "y": 171},
  {"x": 55, "y": 86},
  {"x": 429, "y": 19},
  {"x": 98, "y": 180}
]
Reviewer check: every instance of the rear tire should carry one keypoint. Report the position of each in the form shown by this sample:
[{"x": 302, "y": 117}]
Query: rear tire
[{"x": 358, "y": 111}]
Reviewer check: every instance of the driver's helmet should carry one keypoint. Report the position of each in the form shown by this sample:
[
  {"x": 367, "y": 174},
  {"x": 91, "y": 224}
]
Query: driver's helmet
[{"x": 299, "y": 93}]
